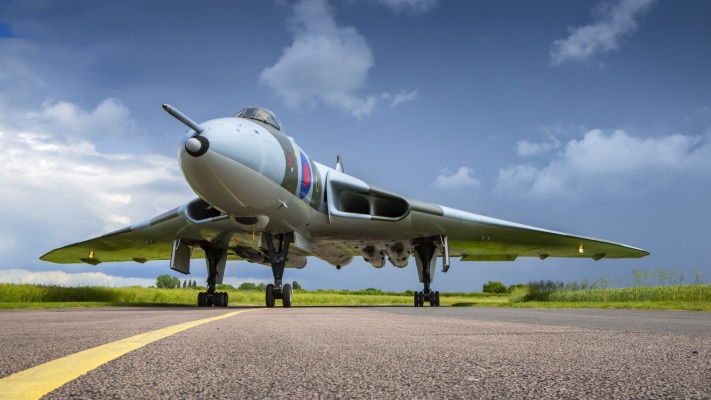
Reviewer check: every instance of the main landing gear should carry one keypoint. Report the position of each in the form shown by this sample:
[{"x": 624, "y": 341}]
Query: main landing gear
[
  {"x": 425, "y": 256},
  {"x": 277, "y": 257},
  {"x": 215, "y": 259},
  {"x": 209, "y": 299},
  {"x": 429, "y": 297}
]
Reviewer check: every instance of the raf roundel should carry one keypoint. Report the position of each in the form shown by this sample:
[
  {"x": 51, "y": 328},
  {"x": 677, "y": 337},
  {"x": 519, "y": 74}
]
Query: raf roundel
[{"x": 305, "y": 177}]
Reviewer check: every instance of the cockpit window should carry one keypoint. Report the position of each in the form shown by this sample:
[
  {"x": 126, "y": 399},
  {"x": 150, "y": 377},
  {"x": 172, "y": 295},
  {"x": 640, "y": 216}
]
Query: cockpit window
[{"x": 260, "y": 114}]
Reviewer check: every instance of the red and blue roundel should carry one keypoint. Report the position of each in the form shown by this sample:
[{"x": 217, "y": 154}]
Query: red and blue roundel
[{"x": 305, "y": 177}]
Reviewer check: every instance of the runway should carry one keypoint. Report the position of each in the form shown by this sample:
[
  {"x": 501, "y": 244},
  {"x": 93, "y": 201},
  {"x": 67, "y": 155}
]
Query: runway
[{"x": 368, "y": 352}]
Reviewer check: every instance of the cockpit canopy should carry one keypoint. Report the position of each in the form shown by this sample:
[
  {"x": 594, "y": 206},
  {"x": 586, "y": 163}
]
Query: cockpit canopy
[{"x": 260, "y": 114}]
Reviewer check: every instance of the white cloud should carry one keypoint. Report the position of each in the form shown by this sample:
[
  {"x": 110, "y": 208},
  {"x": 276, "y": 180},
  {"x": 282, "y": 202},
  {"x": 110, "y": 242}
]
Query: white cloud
[
  {"x": 516, "y": 176},
  {"x": 238, "y": 281},
  {"x": 525, "y": 148},
  {"x": 611, "y": 161},
  {"x": 460, "y": 179},
  {"x": 326, "y": 63},
  {"x": 66, "y": 188},
  {"x": 403, "y": 97},
  {"x": 409, "y": 6},
  {"x": 109, "y": 119},
  {"x": 613, "y": 22},
  {"x": 61, "y": 278},
  {"x": 67, "y": 279}
]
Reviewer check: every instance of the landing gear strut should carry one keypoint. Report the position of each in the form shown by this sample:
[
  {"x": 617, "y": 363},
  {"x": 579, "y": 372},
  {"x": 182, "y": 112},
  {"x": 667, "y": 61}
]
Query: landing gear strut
[
  {"x": 425, "y": 256},
  {"x": 215, "y": 260},
  {"x": 277, "y": 257}
]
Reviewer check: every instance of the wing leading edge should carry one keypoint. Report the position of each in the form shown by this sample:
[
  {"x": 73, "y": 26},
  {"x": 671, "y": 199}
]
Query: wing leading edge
[
  {"x": 476, "y": 237},
  {"x": 471, "y": 237},
  {"x": 149, "y": 240}
]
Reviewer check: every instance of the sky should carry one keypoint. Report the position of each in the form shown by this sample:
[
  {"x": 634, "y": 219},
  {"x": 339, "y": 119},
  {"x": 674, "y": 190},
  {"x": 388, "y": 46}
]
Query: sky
[{"x": 587, "y": 117}]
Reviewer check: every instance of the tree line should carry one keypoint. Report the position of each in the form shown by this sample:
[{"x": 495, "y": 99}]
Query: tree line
[{"x": 166, "y": 281}]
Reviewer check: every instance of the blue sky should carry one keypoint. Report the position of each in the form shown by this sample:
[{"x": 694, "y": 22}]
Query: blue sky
[{"x": 589, "y": 117}]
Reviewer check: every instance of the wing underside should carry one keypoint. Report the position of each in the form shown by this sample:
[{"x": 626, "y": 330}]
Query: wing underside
[
  {"x": 471, "y": 237},
  {"x": 152, "y": 240},
  {"x": 479, "y": 238}
]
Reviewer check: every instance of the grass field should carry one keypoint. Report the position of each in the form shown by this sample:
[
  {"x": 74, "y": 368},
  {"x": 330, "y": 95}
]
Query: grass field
[
  {"x": 673, "y": 297},
  {"x": 695, "y": 297},
  {"x": 39, "y": 296}
]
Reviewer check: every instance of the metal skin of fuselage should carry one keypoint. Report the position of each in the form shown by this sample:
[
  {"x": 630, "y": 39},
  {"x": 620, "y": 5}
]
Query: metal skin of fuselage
[
  {"x": 251, "y": 169},
  {"x": 262, "y": 199}
]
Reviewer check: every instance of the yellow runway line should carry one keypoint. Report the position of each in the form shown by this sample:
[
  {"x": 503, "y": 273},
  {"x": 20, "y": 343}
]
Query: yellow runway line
[{"x": 35, "y": 382}]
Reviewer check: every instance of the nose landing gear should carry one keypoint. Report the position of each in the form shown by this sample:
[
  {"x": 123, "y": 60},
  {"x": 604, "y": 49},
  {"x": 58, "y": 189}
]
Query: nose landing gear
[
  {"x": 215, "y": 260},
  {"x": 278, "y": 256}
]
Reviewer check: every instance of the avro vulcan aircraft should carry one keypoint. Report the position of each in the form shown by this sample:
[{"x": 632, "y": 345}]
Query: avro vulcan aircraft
[{"x": 263, "y": 200}]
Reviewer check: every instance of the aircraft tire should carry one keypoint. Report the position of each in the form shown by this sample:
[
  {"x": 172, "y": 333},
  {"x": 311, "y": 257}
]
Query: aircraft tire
[
  {"x": 270, "y": 296},
  {"x": 436, "y": 296},
  {"x": 416, "y": 299},
  {"x": 286, "y": 296},
  {"x": 201, "y": 299},
  {"x": 421, "y": 299},
  {"x": 226, "y": 299}
]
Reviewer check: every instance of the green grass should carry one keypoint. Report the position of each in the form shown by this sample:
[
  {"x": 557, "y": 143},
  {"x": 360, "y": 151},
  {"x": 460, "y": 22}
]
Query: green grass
[
  {"x": 40, "y": 296},
  {"x": 630, "y": 305},
  {"x": 673, "y": 293},
  {"x": 677, "y": 297},
  {"x": 696, "y": 297}
]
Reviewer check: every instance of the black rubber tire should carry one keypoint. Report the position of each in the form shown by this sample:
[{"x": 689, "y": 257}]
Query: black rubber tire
[
  {"x": 421, "y": 299},
  {"x": 436, "y": 295},
  {"x": 270, "y": 295},
  {"x": 286, "y": 295},
  {"x": 417, "y": 303},
  {"x": 431, "y": 299},
  {"x": 201, "y": 299},
  {"x": 209, "y": 299},
  {"x": 226, "y": 298},
  {"x": 219, "y": 299}
]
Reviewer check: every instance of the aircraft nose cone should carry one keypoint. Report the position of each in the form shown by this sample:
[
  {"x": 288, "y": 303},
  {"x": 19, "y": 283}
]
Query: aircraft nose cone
[{"x": 197, "y": 145}]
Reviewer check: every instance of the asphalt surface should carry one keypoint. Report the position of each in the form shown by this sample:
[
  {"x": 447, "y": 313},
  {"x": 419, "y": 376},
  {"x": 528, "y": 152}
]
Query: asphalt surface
[{"x": 374, "y": 352}]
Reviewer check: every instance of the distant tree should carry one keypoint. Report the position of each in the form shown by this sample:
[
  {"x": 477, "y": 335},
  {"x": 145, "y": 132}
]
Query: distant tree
[
  {"x": 194, "y": 283},
  {"x": 164, "y": 281},
  {"x": 517, "y": 286},
  {"x": 494, "y": 287},
  {"x": 224, "y": 286},
  {"x": 185, "y": 284},
  {"x": 247, "y": 286},
  {"x": 261, "y": 286},
  {"x": 296, "y": 285}
]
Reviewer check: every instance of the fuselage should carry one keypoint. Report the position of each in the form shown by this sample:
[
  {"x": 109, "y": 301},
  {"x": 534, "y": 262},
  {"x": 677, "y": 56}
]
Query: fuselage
[
  {"x": 248, "y": 168},
  {"x": 254, "y": 173}
]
